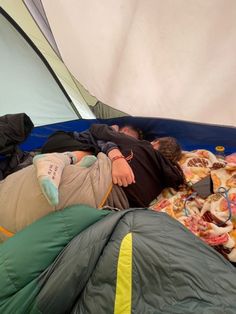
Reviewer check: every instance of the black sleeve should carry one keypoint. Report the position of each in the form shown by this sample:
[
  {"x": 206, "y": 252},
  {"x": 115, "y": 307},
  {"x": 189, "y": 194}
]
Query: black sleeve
[
  {"x": 106, "y": 147},
  {"x": 108, "y": 134},
  {"x": 172, "y": 175}
]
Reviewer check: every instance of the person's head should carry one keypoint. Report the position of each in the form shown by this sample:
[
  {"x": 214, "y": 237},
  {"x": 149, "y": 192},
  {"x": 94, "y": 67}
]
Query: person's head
[
  {"x": 131, "y": 131},
  {"x": 168, "y": 147}
]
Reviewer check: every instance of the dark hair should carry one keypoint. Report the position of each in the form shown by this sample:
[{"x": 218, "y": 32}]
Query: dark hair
[
  {"x": 133, "y": 128},
  {"x": 170, "y": 148}
]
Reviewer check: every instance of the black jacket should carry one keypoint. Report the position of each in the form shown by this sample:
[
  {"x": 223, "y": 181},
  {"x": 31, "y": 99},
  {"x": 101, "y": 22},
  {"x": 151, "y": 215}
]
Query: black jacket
[
  {"x": 14, "y": 129},
  {"x": 62, "y": 141},
  {"x": 152, "y": 171}
]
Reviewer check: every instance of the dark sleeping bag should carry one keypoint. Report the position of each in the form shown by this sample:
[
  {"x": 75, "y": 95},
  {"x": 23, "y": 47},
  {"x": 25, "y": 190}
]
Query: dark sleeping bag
[{"x": 81, "y": 260}]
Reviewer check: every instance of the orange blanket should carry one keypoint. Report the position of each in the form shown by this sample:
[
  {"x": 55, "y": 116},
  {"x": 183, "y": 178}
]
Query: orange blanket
[{"x": 212, "y": 219}]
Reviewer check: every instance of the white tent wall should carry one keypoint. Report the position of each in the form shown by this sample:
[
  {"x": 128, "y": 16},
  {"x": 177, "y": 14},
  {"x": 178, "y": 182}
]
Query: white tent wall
[
  {"x": 38, "y": 101},
  {"x": 36, "y": 9},
  {"x": 162, "y": 58}
]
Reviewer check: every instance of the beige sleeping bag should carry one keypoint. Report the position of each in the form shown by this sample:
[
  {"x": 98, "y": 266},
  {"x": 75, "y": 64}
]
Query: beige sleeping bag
[{"x": 22, "y": 202}]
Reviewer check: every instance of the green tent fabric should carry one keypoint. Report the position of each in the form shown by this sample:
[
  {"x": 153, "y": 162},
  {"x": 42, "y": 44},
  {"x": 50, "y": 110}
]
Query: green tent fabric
[
  {"x": 133, "y": 261},
  {"x": 104, "y": 111}
]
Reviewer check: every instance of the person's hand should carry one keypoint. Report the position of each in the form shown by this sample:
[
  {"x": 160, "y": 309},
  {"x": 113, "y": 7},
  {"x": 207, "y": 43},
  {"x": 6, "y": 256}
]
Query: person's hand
[
  {"x": 79, "y": 155},
  {"x": 122, "y": 174},
  {"x": 115, "y": 127}
]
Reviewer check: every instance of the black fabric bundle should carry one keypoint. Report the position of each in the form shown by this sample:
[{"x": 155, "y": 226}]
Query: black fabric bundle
[{"x": 14, "y": 129}]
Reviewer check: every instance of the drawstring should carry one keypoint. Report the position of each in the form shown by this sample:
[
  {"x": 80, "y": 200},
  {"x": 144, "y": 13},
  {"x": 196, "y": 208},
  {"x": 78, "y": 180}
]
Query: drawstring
[
  {"x": 224, "y": 193},
  {"x": 190, "y": 197},
  {"x": 129, "y": 157}
]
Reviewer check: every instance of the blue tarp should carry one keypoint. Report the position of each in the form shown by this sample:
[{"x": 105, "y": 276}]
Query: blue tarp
[{"x": 190, "y": 135}]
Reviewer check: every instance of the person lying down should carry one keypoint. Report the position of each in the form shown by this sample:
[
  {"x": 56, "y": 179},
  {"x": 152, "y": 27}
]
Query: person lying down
[
  {"x": 65, "y": 179},
  {"x": 28, "y": 195},
  {"x": 37, "y": 190}
]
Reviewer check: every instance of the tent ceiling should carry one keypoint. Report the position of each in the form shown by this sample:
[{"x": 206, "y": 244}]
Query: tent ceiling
[
  {"x": 167, "y": 58},
  {"x": 14, "y": 77},
  {"x": 36, "y": 9},
  {"x": 26, "y": 83}
]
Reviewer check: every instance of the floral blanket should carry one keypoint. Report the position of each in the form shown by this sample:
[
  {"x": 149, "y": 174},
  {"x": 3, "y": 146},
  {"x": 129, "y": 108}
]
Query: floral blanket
[{"x": 213, "y": 219}]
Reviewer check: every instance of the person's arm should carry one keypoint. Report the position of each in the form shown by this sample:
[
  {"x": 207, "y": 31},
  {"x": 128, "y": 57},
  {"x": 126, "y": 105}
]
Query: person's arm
[
  {"x": 122, "y": 174},
  {"x": 109, "y": 134},
  {"x": 105, "y": 147}
]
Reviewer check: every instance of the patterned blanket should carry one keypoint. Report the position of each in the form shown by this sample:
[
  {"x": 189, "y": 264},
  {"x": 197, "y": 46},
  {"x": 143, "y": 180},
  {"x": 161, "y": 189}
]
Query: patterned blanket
[{"x": 213, "y": 219}]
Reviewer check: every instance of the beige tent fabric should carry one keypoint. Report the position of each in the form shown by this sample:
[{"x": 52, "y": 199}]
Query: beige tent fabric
[{"x": 166, "y": 58}]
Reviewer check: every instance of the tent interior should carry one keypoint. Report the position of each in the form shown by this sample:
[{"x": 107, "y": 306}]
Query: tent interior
[
  {"x": 165, "y": 67},
  {"x": 151, "y": 68}
]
